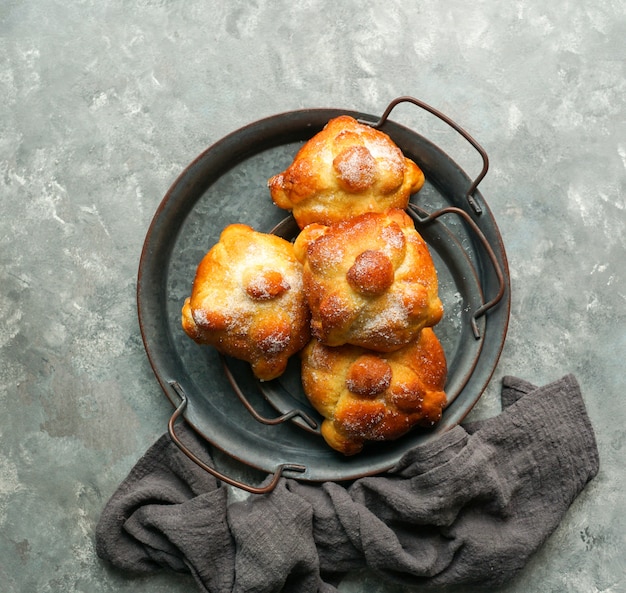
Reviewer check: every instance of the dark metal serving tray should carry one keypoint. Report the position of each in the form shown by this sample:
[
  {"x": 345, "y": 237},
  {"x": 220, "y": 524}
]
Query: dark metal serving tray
[{"x": 270, "y": 426}]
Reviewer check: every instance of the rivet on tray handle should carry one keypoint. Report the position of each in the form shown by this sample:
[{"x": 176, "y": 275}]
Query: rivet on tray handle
[
  {"x": 470, "y": 192},
  {"x": 214, "y": 472},
  {"x": 424, "y": 218}
]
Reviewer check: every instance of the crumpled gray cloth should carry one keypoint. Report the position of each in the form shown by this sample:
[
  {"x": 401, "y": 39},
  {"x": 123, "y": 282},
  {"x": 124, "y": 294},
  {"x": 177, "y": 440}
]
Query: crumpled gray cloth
[{"x": 468, "y": 508}]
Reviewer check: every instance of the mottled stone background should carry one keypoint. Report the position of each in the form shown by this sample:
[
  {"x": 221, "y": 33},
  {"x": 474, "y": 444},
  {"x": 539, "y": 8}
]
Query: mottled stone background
[{"x": 102, "y": 104}]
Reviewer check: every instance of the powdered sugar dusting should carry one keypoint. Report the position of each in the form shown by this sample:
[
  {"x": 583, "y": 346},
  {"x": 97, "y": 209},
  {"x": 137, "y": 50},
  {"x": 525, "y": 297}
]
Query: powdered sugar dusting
[
  {"x": 265, "y": 285},
  {"x": 275, "y": 343},
  {"x": 328, "y": 253},
  {"x": 356, "y": 167},
  {"x": 393, "y": 237},
  {"x": 362, "y": 425},
  {"x": 387, "y": 154},
  {"x": 390, "y": 318}
]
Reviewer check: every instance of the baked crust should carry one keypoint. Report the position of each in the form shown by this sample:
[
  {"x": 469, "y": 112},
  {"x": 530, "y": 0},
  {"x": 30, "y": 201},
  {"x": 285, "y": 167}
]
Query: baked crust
[
  {"x": 345, "y": 170},
  {"x": 248, "y": 301},
  {"x": 370, "y": 396},
  {"x": 370, "y": 281}
]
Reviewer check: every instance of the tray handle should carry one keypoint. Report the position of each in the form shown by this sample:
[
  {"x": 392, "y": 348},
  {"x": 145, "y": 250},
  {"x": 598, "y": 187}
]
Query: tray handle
[
  {"x": 443, "y": 117},
  {"x": 424, "y": 218},
  {"x": 214, "y": 472},
  {"x": 294, "y": 413}
]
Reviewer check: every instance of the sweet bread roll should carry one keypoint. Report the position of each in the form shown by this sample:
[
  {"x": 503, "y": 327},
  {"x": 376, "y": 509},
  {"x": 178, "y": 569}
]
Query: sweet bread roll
[
  {"x": 247, "y": 300},
  {"x": 346, "y": 169},
  {"x": 369, "y": 396},
  {"x": 370, "y": 281}
]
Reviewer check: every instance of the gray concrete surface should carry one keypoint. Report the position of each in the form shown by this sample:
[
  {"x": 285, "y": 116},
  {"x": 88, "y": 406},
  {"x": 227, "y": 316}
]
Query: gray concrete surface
[{"x": 102, "y": 104}]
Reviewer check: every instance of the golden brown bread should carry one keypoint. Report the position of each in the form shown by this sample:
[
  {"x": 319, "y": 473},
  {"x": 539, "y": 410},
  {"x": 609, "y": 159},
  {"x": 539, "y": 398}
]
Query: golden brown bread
[
  {"x": 369, "y": 396},
  {"x": 345, "y": 170},
  {"x": 247, "y": 300},
  {"x": 370, "y": 281}
]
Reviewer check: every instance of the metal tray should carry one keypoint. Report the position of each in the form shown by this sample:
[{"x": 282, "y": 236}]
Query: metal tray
[{"x": 270, "y": 426}]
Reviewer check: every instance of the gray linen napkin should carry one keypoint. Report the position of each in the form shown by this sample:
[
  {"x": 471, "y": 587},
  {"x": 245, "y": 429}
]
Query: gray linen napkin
[{"x": 468, "y": 508}]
